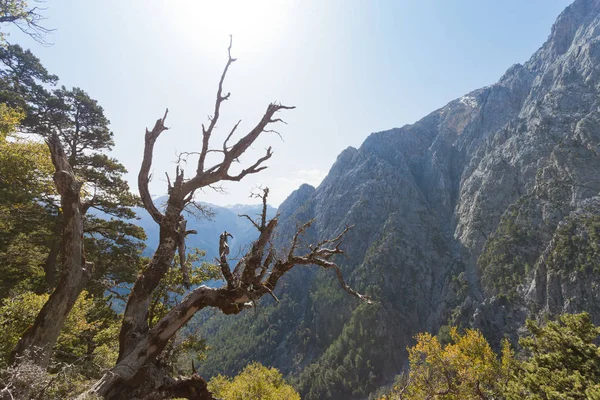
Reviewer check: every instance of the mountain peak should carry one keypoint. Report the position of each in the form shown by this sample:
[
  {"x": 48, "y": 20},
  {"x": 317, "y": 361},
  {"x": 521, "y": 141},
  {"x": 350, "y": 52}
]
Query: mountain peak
[{"x": 571, "y": 20}]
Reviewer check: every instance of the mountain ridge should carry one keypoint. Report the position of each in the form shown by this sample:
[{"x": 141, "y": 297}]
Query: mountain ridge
[
  {"x": 466, "y": 217},
  {"x": 208, "y": 225}
]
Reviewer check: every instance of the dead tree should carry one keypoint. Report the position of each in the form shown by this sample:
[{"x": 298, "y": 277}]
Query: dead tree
[
  {"x": 37, "y": 342},
  {"x": 137, "y": 373}
]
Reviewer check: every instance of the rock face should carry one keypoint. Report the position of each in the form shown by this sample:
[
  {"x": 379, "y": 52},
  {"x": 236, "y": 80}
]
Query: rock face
[{"x": 483, "y": 213}]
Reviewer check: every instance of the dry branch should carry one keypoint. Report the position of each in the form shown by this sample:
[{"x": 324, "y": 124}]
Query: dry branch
[
  {"x": 144, "y": 176},
  {"x": 255, "y": 275}
]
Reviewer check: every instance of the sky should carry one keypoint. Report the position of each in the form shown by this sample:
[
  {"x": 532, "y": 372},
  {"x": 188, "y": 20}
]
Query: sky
[{"x": 351, "y": 67}]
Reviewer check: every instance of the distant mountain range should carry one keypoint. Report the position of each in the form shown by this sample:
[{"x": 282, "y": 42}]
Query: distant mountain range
[
  {"x": 209, "y": 229},
  {"x": 207, "y": 238}
]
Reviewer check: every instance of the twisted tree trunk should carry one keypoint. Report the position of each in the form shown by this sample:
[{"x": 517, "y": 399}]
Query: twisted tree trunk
[
  {"x": 37, "y": 342},
  {"x": 51, "y": 261}
]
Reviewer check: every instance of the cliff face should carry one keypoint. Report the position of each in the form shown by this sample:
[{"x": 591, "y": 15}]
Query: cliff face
[{"x": 483, "y": 213}]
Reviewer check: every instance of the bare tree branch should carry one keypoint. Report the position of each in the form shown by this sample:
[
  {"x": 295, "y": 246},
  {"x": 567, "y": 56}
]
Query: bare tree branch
[
  {"x": 206, "y": 133},
  {"x": 220, "y": 171},
  {"x": 223, "y": 253},
  {"x": 144, "y": 175},
  {"x": 231, "y": 299},
  {"x": 251, "y": 220},
  {"x": 229, "y": 136},
  {"x": 27, "y": 21},
  {"x": 263, "y": 196},
  {"x": 331, "y": 265},
  {"x": 253, "y": 169},
  {"x": 299, "y": 232}
]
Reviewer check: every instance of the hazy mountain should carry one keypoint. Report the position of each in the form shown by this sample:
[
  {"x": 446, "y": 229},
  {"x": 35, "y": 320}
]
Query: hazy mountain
[
  {"x": 209, "y": 229},
  {"x": 483, "y": 213}
]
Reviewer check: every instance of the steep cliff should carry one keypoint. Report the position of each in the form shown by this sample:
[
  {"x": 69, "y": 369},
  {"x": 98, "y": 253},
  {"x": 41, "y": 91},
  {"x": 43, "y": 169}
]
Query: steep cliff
[{"x": 483, "y": 213}]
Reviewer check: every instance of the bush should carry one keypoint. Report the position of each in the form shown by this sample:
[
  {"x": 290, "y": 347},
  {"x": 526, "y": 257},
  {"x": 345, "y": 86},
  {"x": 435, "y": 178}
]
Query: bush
[{"x": 254, "y": 382}]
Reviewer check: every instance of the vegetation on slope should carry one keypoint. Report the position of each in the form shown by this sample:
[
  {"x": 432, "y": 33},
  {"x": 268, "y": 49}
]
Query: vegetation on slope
[{"x": 559, "y": 360}]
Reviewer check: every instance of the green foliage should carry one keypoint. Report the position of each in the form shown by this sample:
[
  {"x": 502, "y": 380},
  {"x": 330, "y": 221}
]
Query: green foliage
[
  {"x": 31, "y": 222},
  {"x": 563, "y": 361},
  {"x": 9, "y": 119},
  {"x": 466, "y": 368},
  {"x": 114, "y": 246},
  {"x": 27, "y": 194},
  {"x": 26, "y": 221},
  {"x": 16, "y": 315},
  {"x": 88, "y": 338},
  {"x": 82, "y": 127},
  {"x": 577, "y": 245},
  {"x": 461, "y": 285},
  {"x": 560, "y": 361},
  {"x": 23, "y": 82},
  {"x": 254, "y": 382},
  {"x": 505, "y": 254},
  {"x": 86, "y": 347},
  {"x": 346, "y": 369}
]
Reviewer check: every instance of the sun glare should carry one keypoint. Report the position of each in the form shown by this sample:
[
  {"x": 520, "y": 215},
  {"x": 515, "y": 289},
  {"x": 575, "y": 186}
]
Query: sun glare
[{"x": 252, "y": 23}]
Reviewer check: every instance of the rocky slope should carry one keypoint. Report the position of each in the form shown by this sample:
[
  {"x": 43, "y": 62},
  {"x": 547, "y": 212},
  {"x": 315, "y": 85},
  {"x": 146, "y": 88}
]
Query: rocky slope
[{"x": 483, "y": 213}]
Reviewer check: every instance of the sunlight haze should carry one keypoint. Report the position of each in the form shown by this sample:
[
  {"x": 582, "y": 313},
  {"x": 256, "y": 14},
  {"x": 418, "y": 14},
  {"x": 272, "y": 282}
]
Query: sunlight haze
[{"x": 350, "y": 68}]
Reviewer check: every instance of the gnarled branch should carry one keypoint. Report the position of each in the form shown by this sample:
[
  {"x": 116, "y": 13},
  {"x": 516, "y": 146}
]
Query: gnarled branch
[
  {"x": 144, "y": 176},
  {"x": 250, "y": 219},
  {"x": 233, "y": 298},
  {"x": 255, "y": 275},
  {"x": 223, "y": 253}
]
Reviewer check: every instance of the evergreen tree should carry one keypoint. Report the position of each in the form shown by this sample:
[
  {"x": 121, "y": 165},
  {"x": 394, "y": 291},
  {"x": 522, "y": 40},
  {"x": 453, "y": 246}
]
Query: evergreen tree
[
  {"x": 563, "y": 360},
  {"x": 86, "y": 178},
  {"x": 80, "y": 123}
]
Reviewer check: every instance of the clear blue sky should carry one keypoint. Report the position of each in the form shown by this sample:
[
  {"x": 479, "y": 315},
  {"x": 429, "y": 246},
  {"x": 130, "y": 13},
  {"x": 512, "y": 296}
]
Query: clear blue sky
[{"x": 351, "y": 67}]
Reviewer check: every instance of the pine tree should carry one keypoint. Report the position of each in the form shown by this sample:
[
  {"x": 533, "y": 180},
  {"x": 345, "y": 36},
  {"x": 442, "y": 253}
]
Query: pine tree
[{"x": 563, "y": 360}]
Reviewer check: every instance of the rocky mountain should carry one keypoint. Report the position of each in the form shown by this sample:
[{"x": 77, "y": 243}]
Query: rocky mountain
[{"x": 482, "y": 214}]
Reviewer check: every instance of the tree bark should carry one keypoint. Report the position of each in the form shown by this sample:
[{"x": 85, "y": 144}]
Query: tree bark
[
  {"x": 37, "y": 342},
  {"x": 135, "y": 323},
  {"x": 50, "y": 271},
  {"x": 153, "y": 382}
]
